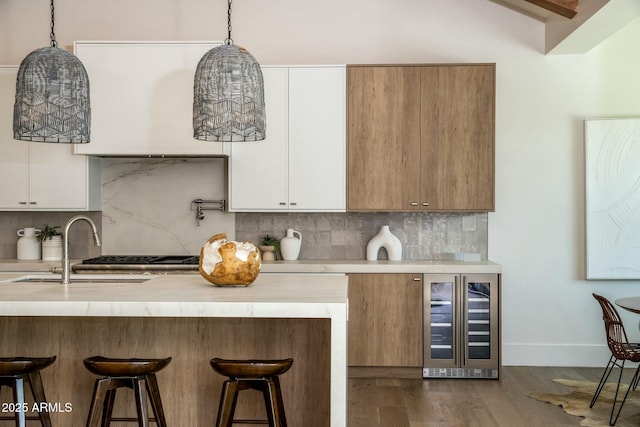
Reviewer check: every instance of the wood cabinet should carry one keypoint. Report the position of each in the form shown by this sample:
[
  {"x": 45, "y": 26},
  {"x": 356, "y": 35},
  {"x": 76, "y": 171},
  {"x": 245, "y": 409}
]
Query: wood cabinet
[
  {"x": 385, "y": 320},
  {"x": 41, "y": 176},
  {"x": 142, "y": 98},
  {"x": 300, "y": 165},
  {"x": 420, "y": 137}
]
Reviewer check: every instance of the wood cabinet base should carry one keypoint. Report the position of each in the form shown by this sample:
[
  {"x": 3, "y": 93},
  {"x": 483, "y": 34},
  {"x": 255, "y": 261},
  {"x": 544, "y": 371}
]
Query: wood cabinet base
[{"x": 190, "y": 389}]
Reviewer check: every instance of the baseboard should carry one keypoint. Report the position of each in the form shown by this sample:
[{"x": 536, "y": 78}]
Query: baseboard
[{"x": 576, "y": 355}]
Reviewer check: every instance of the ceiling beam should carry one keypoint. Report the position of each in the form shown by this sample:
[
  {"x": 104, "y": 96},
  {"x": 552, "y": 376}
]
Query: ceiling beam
[{"x": 566, "y": 8}]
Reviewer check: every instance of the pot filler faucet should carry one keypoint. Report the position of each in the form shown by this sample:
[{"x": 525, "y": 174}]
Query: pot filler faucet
[{"x": 66, "y": 264}]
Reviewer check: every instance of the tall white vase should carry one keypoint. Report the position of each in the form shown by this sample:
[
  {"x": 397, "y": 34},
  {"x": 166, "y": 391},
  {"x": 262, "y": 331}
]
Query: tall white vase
[
  {"x": 384, "y": 239},
  {"x": 28, "y": 245},
  {"x": 290, "y": 245}
]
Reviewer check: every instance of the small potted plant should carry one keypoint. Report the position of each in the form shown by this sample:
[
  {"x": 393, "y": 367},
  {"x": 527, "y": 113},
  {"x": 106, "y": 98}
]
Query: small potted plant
[
  {"x": 51, "y": 239},
  {"x": 269, "y": 246}
]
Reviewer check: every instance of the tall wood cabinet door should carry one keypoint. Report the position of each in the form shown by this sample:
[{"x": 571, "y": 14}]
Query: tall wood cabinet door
[
  {"x": 385, "y": 320},
  {"x": 258, "y": 171},
  {"x": 457, "y": 151},
  {"x": 383, "y": 138},
  {"x": 317, "y": 139},
  {"x": 14, "y": 155}
]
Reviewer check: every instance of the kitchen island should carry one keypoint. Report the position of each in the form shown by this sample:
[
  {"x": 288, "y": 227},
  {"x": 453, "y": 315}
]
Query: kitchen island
[{"x": 303, "y": 316}]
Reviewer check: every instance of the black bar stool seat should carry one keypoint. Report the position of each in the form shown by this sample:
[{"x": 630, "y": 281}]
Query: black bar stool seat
[
  {"x": 137, "y": 374},
  {"x": 261, "y": 375},
  {"x": 14, "y": 371}
]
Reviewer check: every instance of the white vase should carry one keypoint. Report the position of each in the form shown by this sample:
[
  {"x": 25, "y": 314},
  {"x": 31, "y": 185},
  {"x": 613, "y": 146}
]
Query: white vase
[
  {"x": 290, "y": 245},
  {"x": 52, "y": 249},
  {"x": 268, "y": 252},
  {"x": 28, "y": 245},
  {"x": 384, "y": 239}
]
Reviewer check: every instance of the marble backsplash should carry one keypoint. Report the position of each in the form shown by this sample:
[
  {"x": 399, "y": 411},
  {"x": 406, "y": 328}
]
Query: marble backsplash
[
  {"x": 147, "y": 210},
  {"x": 146, "y": 205}
]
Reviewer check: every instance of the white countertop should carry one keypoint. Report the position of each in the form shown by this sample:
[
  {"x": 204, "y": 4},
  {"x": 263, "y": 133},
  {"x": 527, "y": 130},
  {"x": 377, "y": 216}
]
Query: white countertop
[
  {"x": 362, "y": 266},
  {"x": 28, "y": 265},
  {"x": 271, "y": 295},
  {"x": 313, "y": 266}
]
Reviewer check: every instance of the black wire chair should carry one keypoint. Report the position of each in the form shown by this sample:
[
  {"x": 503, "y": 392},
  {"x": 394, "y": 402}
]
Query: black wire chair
[{"x": 621, "y": 351}]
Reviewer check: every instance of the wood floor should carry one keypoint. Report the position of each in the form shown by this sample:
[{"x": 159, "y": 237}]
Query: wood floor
[{"x": 463, "y": 403}]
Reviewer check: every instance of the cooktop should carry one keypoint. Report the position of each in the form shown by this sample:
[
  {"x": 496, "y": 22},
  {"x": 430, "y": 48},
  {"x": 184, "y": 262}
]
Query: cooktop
[{"x": 144, "y": 260}]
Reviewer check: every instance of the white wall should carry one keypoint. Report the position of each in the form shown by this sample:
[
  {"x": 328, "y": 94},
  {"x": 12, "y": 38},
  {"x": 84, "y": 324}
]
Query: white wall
[{"x": 537, "y": 231}]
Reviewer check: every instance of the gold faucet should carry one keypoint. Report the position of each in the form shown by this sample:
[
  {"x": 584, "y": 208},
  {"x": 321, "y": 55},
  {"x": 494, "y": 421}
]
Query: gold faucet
[{"x": 66, "y": 264}]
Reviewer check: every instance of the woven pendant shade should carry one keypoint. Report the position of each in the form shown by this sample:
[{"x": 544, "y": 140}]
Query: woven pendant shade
[
  {"x": 52, "y": 98},
  {"x": 228, "y": 101}
]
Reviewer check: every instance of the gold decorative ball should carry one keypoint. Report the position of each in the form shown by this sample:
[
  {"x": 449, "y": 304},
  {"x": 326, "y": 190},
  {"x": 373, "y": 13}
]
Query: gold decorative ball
[{"x": 227, "y": 263}]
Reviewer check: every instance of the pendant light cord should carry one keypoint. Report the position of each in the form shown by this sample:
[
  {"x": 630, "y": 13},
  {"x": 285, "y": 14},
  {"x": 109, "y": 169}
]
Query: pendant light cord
[
  {"x": 52, "y": 35},
  {"x": 229, "y": 40}
]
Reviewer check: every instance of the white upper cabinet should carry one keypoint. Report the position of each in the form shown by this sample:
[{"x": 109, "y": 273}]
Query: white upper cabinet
[
  {"x": 41, "y": 176},
  {"x": 142, "y": 98},
  {"x": 300, "y": 166},
  {"x": 259, "y": 169}
]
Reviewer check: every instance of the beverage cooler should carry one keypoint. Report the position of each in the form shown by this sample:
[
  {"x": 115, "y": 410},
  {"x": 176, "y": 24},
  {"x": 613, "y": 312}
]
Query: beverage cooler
[{"x": 461, "y": 326}]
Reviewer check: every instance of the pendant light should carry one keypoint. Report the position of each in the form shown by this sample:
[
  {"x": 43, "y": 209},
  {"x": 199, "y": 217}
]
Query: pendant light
[
  {"x": 52, "y": 96},
  {"x": 228, "y": 94}
]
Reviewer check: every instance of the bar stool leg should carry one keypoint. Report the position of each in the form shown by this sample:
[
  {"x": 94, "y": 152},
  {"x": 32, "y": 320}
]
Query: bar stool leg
[
  {"x": 97, "y": 402},
  {"x": 281, "y": 418},
  {"x": 140, "y": 391},
  {"x": 35, "y": 382},
  {"x": 263, "y": 388},
  {"x": 156, "y": 401},
  {"x": 18, "y": 398},
  {"x": 107, "y": 408},
  {"x": 273, "y": 402},
  {"x": 228, "y": 402}
]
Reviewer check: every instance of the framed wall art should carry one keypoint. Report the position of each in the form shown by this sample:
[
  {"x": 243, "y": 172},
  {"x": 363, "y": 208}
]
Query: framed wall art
[{"x": 612, "y": 173}]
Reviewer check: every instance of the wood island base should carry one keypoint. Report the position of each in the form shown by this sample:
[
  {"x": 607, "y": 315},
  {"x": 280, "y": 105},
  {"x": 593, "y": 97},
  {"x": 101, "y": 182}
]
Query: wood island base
[{"x": 189, "y": 387}]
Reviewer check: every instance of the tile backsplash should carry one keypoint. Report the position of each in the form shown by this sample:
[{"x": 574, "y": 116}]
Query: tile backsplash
[
  {"x": 80, "y": 237},
  {"x": 345, "y": 235}
]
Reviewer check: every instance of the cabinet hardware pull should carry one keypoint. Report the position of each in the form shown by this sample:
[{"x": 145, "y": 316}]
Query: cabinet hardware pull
[
  {"x": 33, "y": 203},
  {"x": 22, "y": 203},
  {"x": 414, "y": 203},
  {"x": 425, "y": 203},
  {"x": 416, "y": 279},
  {"x": 282, "y": 203},
  {"x": 293, "y": 204}
]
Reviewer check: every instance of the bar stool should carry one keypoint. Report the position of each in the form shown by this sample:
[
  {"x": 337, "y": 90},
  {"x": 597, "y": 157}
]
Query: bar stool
[
  {"x": 131, "y": 373},
  {"x": 259, "y": 375},
  {"x": 14, "y": 371}
]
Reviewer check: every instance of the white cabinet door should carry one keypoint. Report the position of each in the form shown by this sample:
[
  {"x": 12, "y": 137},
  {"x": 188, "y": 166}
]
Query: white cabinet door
[
  {"x": 317, "y": 139},
  {"x": 14, "y": 167},
  {"x": 41, "y": 176},
  {"x": 300, "y": 166},
  {"x": 258, "y": 171},
  {"x": 142, "y": 98},
  {"x": 58, "y": 179},
  {"x": 14, "y": 183}
]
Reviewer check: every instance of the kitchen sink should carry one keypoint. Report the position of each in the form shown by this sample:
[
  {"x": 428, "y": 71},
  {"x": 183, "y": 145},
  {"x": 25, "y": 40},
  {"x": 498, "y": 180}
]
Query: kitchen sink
[
  {"x": 81, "y": 278},
  {"x": 50, "y": 280}
]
